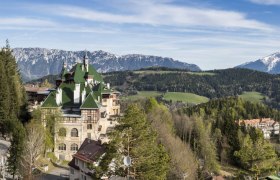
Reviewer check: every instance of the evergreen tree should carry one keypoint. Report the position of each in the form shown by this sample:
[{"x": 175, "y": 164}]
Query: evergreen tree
[
  {"x": 16, "y": 148},
  {"x": 258, "y": 157},
  {"x": 12, "y": 107},
  {"x": 136, "y": 138},
  {"x": 4, "y": 98}
]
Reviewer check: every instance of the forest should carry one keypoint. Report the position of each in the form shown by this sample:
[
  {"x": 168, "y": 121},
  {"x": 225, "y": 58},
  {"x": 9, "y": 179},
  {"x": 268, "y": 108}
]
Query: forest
[
  {"x": 211, "y": 84},
  {"x": 197, "y": 142}
]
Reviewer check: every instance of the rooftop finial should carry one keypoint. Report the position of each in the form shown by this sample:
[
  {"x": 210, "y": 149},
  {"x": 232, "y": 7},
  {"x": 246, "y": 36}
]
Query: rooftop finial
[
  {"x": 86, "y": 61},
  {"x": 86, "y": 57}
]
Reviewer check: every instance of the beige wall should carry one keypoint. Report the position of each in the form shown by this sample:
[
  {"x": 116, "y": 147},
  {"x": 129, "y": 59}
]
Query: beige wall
[
  {"x": 88, "y": 116},
  {"x": 83, "y": 132}
]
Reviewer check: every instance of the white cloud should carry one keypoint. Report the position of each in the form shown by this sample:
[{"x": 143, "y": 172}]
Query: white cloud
[
  {"x": 156, "y": 14},
  {"x": 26, "y": 22},
  {"x": 266, "y": 2}
]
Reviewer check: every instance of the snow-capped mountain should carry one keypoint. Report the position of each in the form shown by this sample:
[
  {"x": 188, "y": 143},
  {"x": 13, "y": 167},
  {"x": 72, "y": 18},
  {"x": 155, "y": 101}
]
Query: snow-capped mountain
[
  {"x": 269, "y": 64},
  {"x": 38, "y": 62}
]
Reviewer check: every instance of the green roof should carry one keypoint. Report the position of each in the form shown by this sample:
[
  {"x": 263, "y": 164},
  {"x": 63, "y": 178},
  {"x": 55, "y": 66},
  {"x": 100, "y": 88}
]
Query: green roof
[
  {"x": 67, "y": 94},
  {"x": 80, "y": 74},
  {"x": 95, "y": 74},
  {"x": 89, "y": 103},
  {"x": 50, "y": 101},
  {"x": 97, "y": 89},
  {"x": 63, "y": 73}
]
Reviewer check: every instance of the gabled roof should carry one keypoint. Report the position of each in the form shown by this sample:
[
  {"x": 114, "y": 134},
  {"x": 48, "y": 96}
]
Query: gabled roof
[
  {"x": 90, "y": 151},
  {"x": 97, "y": 90},
  {"x": 50, "y": 101},
  {"x": 90, "y": 103},
  {"x": 95, "y": 74},
  {"x": 67, "y": 94},
  {"x": 80, "y": 73}
]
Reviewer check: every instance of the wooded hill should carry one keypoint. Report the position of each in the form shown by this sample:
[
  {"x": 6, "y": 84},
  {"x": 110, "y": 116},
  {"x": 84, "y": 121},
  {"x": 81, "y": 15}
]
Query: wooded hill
[{"x": 212, "y": 84}]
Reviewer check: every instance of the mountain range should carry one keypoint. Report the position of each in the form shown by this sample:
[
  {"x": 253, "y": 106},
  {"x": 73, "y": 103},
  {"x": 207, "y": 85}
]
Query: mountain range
[
  {"x": 269, "y": 64},
  {"x": 38, "y": 62}
]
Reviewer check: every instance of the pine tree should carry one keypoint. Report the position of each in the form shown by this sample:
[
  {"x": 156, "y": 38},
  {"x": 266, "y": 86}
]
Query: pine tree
[
  {"x": 4, "y": 98},
  {"x": 136, "y": 138},
  {"x": 16, "y": 148},
  {"x": 12, "y": 107},
  {"x": 257, "y": 156}
]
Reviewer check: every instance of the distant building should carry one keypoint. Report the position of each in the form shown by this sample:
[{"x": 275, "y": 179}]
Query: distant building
[
  {"x": 87, "y": 107},
  {"x": 35, "y": 95},
  {"x": 88, "y": 155},
  {"x": 268, "y": 126}
]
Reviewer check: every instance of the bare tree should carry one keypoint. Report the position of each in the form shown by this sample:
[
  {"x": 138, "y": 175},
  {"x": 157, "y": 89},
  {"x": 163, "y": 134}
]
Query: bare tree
[
  {"x": 33, "y": 148},
  {"x": 183, "y": 163}
]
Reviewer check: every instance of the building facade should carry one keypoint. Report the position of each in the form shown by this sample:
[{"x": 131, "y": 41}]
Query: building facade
[
  {"x": 83, "y": 106},
  {"x": 88, "y": 156}
]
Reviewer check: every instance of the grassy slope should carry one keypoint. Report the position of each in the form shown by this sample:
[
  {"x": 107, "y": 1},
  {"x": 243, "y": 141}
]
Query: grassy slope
[
  {"x": 146, "y": 72},
  {"x": 142, "y": 95},
  {"x": 174, "y": 96},
  {"x": 185, "y": 97},
  {"x": 253, "y": 96}
]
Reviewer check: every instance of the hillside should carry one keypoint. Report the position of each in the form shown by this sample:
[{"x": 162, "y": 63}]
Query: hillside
[
  {"x": 35, "y": 63},
  {"x": 211, "y": 84}
]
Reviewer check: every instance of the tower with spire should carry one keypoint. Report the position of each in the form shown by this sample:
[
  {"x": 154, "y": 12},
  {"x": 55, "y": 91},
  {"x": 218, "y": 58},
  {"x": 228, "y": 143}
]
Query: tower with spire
[{"x": 85, "y": 61}]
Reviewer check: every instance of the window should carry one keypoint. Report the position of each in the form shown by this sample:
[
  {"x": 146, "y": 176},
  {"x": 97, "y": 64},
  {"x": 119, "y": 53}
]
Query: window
[
  {"x": 74, "y": 132},
  {"x": 71, "y": 170},
  {"x": 89, "y": 126},
  {"x": 62, "y": 147},
  {"x": 89, "y": 118},
  {"x": 95, "y": 116},
  {"x": 62, "y": 132},
  {"x": 74, "y": 147},
  {"x": 89, "y": 135}
]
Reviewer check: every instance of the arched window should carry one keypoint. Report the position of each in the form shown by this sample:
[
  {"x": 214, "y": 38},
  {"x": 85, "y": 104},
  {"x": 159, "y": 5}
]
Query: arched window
[
  {"x": 62, "y": 132},
  {"x": 89, "y": 126},
  {"x": 74, "y": 147},
  {"x": 62, "y": 147},
  {"x": 74, "y": 132}
]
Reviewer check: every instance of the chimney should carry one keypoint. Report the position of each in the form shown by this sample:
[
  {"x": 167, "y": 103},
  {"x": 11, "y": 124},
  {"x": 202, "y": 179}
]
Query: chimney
[
  {"x": 58, "y": 96},
  {"x": 83, "y": 95},
  {"x": 77, "y": 94}
]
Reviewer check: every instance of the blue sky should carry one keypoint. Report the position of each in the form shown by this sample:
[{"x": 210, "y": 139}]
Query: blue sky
[{"x": 213, "y": 34}]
